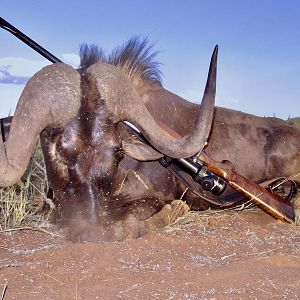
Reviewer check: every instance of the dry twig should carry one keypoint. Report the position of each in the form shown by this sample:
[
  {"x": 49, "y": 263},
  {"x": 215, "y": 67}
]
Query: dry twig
[
  {"x": 4, "y": 291},
  {"x": 31, "y": 228}
]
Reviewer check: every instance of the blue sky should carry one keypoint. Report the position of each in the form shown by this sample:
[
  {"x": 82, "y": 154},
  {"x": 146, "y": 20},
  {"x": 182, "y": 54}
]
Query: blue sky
[{"x": 259, "y": 45}]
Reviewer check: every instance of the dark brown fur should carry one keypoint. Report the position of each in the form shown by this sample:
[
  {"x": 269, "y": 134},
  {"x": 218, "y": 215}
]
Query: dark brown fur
[
  {"x": 82, "y": 163},
  {"x": 5, "y": 126}
]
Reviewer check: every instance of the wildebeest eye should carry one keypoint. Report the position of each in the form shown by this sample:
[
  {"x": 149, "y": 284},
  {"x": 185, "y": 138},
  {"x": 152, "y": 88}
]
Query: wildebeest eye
[{"x": 119, "y": 154}]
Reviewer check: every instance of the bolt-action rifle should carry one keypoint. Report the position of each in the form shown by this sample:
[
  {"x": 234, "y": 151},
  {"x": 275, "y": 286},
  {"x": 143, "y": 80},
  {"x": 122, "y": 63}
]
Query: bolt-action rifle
[{"x": 213, "y": 176}]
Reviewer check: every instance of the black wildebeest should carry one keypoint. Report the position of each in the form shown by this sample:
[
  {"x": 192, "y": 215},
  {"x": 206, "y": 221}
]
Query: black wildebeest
[{"x": 106, "y": 178}]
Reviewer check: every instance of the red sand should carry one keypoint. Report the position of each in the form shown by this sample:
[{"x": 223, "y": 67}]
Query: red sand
[{"x": 241, "y": 255}]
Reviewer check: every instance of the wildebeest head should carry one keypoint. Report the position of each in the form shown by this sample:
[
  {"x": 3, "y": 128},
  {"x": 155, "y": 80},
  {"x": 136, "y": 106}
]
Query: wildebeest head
[{"x": 52, "y": 99}]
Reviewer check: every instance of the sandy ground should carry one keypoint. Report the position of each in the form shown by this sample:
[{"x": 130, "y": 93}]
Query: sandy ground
[{"x": 236, "y": 255}]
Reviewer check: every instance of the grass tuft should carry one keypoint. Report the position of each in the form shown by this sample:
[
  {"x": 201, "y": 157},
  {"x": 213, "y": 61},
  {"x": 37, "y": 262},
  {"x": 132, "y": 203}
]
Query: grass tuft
[
  {"x": 295, "y": 122},
  {"x": 25, "y": 202}
]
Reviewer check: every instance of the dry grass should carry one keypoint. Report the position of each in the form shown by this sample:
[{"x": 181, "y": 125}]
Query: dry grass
[
  {"x": 295, "y": 122},
  {"x": 204, "y": 218},
  {"x": 24, "y": 203}
]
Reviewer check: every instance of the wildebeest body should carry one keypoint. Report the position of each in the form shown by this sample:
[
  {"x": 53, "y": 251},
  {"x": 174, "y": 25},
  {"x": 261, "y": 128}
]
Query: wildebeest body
[{"x": 102, "y": 187}]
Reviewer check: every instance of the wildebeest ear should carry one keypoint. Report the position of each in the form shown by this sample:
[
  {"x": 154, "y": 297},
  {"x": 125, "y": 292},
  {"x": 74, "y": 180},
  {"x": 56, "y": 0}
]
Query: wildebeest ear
[
  {"x": 140, "y": 151},
  {"x": 134, "y": 144}
]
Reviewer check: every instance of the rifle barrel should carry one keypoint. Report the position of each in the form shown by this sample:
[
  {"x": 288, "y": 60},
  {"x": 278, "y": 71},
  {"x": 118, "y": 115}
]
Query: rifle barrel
[{"x": 31, "y": 43}]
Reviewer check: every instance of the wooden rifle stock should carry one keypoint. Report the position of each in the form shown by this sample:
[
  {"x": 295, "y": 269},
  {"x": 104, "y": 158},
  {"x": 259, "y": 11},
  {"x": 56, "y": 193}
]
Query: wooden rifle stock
[{"x": 272, "y": 204}]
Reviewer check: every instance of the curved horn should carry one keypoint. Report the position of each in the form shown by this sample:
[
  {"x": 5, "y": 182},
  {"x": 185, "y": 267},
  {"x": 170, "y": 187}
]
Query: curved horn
[
  {"x": 125, "y": 104},
  {"x": 50, "y": 98}
]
